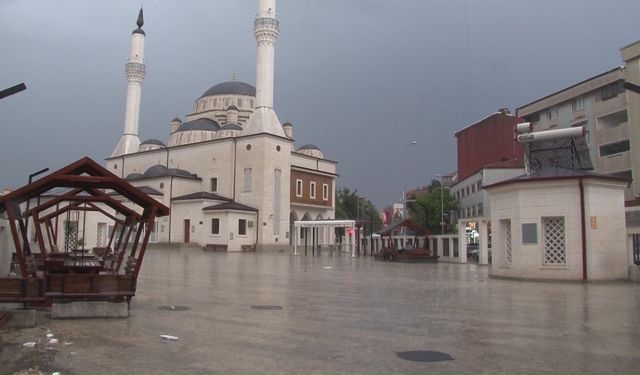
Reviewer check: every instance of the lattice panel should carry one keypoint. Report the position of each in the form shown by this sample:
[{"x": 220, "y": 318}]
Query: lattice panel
[
  {"x": 507, "y": 241},
  {"x": 100, "y": 234},
  {"x": 554, "y": 240}
]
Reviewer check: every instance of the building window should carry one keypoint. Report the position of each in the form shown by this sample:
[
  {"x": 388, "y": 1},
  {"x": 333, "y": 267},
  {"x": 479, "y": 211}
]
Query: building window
[
  {"x": 242, "y": 227},
  {"x": 578, "y": 104},
  {"x": 555, "y": 252},
  {"x": 325, "y": 192},
  {"x": 610, "y": 91},
  {"x": 506, "y": 236},
  {"x": 215, "y": 102},
  {"x": 298, "y": 188},
  {"x": 615, "y": 148},
  {"x": 214, "y": 185},
  {"x": 473, "y": 188},
  {"x": 552, "y": 113},
  {"x": 636, "y": 249},
  {"x": 480, "y": 209},
  {"x": 247, "y": 180},
  {"x": 215, "y": 226},
  {"x": 312, "y": 190},
  {"x": 251, "y": 103}
]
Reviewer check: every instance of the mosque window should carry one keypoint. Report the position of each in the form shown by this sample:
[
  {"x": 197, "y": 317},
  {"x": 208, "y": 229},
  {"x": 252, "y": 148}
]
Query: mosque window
[
  {"x": 248, "y": 147},
  {"x": 226, "y": 102},
  {"x": 312, "y": 190},
  {"x": 242, "y": 227},
  {"x": 325, "y": 192},
  {"x": 215, "y": 226},
  {"x": 214, "y": 184},
  {"x": 278, "y": 148},
  {"x": 215, "y": 102},
  {"x": 247, "y": 180},
  {"x": 251, "y": 103},
  {"x": 299, "y": 188}
]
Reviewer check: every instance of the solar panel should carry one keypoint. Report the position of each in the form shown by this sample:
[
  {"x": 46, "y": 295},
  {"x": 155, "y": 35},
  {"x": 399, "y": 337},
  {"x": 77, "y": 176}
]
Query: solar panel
[{"x": 569, "y": 153}]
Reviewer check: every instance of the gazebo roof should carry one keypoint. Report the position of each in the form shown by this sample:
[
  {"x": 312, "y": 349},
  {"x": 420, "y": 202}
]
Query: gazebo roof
[
  {"x": 85, "y": 175},
  {"x": 406, "y": 223}
]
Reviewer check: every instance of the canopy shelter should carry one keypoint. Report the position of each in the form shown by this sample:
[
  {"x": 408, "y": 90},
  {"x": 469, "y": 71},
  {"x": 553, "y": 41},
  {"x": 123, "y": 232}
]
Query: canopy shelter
[
  {"x": 409, "y": 228},
  {"x": 407, "y": 223},
  {"x": 85, "y": 188},
  {"x": 315, "y": 224}
]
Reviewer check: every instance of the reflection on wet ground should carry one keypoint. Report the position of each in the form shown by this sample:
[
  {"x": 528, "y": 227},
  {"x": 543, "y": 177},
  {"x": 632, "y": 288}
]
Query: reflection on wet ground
[{"x": 271, "y": 312}]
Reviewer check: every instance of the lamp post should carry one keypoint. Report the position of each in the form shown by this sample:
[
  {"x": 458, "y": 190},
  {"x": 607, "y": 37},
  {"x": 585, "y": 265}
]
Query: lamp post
[
  {"x": 441, "y": 202},
  {"x": 404, "y": 178}
]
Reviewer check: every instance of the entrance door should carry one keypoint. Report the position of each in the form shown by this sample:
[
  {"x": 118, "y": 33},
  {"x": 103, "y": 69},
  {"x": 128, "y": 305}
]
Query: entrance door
[{"x": 187, "y": 231}]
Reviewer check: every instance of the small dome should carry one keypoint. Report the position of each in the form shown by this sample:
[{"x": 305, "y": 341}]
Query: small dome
[
  {"x": 156, "y": 171},
  {"x": 153, "y": 142},
  {"x": 232, "y": 108},
  {"x": 228, "y": 131},
  {"x": 287, "y": 124},
  {"x": 231, "y": 88},
  {"x": 134, "y": 176},
  {"x": 309, "y": 147},
  {"x": 203, "y": 124},
  {"x": 150, "y": 145},
  {"x": 177, "y": 119},
  {"x": 159, "y": 170},
  {"x": 311, "y": 150},
  {"x": 231, "y": 127}
]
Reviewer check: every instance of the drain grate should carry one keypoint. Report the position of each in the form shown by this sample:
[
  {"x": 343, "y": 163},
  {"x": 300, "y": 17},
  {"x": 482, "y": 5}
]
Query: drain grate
[
  {"x": 266, "y": 307},
  {"x": 174, "y": 308},
  {"x": 424, "y": 356}
]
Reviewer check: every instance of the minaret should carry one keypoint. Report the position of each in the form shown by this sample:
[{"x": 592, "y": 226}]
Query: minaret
[
  {"x": 266, "y": 30},
  {"x": 135, "y": 69}
]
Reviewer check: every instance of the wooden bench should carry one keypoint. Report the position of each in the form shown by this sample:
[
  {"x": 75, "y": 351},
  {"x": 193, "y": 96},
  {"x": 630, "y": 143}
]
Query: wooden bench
[
  {"x": 248, "y": 249},
  {"x": 21, "y": 290},
  {"x": 90, "y": 286},
  {"x": 216, "y": 248}
]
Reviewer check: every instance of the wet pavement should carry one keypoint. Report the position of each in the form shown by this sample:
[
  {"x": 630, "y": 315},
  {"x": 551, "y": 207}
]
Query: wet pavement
[{"x": 275, "y": 313}]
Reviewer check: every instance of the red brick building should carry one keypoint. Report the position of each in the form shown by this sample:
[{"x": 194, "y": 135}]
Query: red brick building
[{"x": 488, "y": 141}]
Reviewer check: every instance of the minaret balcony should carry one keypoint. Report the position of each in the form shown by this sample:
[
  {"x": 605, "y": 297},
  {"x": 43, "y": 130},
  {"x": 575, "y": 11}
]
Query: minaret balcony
[{"x": 266, "y": 24}]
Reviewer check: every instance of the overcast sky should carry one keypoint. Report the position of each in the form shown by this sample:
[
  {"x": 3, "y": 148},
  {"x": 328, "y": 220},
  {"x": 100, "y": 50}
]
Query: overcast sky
[{"x": 358, "y": 78}]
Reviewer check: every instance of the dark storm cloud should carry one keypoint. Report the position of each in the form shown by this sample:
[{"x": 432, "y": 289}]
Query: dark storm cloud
[{"x": 358, "y": 78}]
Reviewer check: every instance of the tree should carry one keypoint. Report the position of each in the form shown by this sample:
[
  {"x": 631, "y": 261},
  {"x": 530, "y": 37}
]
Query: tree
[
  {"x": 351, "y": 206},
  {"x": 430, "y": 204}
]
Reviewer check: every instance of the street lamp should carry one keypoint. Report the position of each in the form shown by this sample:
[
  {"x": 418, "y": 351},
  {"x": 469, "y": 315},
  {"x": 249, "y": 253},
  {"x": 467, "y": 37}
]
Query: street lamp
[
  {"x": 441, "y": 202},
  {"x": 404, "y": 177}
]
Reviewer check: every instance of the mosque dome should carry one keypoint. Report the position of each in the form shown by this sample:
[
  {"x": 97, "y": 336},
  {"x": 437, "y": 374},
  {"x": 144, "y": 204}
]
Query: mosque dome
[
  {"x": 159, "y": 170},
  {"x": 151, "y": 144},
  {"x": 201, "y": 124},
  {"x": 311, "y": 150},
  {"x": 134, "y": 176},
  {"x": 199, "y": 130},
  {"x": 231, "y": 88},
  {"x": 228, "y": 131}
]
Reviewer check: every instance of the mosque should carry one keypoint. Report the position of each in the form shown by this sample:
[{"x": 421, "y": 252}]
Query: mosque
[{"x": 229, "y": 170}]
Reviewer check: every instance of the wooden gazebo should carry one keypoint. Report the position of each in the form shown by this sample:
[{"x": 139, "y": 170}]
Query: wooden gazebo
[
  {"x": 86, "y": 274},
  {"x": 391, "y": 252}
]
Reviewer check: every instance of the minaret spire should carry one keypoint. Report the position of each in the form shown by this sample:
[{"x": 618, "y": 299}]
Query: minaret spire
[
  {"x": 135, "y": 72},
  {"x": 140, "y": 21},
  {"x": 266, "y": 31}
]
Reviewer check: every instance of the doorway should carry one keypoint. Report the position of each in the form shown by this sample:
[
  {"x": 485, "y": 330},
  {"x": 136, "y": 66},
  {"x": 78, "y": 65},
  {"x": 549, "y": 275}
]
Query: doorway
[{"x": 187, "y": 230}]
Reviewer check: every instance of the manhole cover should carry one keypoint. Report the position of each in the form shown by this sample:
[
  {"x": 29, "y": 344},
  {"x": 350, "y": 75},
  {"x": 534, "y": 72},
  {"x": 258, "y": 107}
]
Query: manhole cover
[
  {"x": 266, "y": 307},
  {"x": 174, "y": 308},
  {"x": 424, "y": 356}
]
